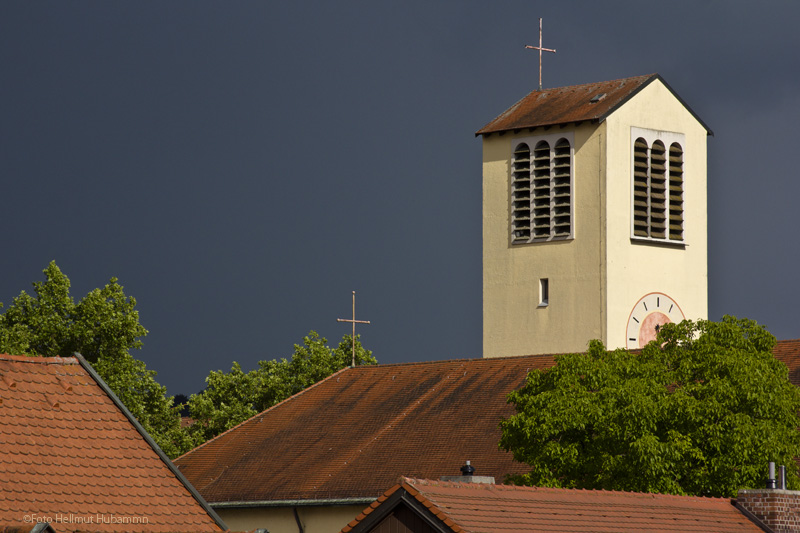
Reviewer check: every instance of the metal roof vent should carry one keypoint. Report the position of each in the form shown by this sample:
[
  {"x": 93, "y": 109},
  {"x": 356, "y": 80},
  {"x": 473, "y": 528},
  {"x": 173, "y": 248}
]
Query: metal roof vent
[
  {"x": 467, "y": 470},
  {"x": 596, "y": 98}
]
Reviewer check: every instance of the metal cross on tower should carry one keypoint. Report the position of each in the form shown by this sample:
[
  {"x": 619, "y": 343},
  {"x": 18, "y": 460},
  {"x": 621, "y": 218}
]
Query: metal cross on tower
[
  {"x": 354, "y": 322},
  {"x": 540, "y": 52}
]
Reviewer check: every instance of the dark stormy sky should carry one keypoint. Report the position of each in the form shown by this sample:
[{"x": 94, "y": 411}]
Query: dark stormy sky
[{"x": 241, "y": 167}]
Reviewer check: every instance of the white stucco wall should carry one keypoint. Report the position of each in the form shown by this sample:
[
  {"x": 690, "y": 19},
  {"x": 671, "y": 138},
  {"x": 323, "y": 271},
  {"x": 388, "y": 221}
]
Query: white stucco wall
[{"x": 637, "y": 268}]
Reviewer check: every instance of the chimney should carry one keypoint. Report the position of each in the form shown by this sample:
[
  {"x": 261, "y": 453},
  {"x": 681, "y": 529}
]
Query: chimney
[
  {"x": 776, "y": 508},
  {"x": 468, "y": 476}
]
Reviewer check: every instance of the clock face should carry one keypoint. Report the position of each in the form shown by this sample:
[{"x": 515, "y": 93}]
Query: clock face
[{"x": 648, "y": 315}]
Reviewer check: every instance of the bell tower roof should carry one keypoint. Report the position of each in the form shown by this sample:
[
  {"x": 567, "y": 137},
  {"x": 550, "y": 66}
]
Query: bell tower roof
[{"x": 577, "y": 103}]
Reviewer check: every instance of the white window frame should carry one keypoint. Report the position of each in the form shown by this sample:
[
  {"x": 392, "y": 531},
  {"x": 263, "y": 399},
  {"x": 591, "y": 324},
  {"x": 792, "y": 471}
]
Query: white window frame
[
  {"x": 551, "y": 139},
  {"x": 667, "y": 138},
  {"x": 544, "y": 292}
]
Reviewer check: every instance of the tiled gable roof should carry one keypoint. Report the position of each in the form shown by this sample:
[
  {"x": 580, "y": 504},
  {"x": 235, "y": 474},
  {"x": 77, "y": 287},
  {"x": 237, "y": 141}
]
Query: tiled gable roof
[
  {"x": 70, "y": 453},
  {"x": 473, "y": 507},
  {"x": 573, "y": 104},
  {"x": 352, "y": 434}
]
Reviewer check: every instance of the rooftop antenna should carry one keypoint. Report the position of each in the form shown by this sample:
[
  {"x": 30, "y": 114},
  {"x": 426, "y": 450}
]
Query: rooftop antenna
[
  {"x": 354, "y": 322},
  {"x": 540, "y": 52}
]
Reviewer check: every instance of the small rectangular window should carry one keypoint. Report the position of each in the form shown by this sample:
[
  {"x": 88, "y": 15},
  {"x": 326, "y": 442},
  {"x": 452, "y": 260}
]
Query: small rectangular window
[{"x": 544, "y": 292}]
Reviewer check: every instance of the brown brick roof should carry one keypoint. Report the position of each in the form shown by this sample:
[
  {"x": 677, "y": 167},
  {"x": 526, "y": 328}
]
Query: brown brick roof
[
  {"x": 69, "y": 452},
  {"x": 565, "y": 105},
  {"x": 353, "y": 434},
  {"x": 473, "y": 507}
]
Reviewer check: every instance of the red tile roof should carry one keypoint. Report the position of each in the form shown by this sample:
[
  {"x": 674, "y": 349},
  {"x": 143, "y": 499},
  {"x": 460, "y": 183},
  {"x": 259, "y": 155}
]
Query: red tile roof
[
  {"x": 353, "y": 434},
  {"x": 789, "y": 352},
  {"x": 70, "y": 453},
  {"x": 473, "y": 507},
  {"x": 565, "y": 105}
]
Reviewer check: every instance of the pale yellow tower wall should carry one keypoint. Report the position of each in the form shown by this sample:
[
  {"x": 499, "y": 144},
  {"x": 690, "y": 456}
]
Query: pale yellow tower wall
[
  {"x": 636, "y": 268},
  {"x": 514, "y": 323},
  {"x": 597, "y": 276}
]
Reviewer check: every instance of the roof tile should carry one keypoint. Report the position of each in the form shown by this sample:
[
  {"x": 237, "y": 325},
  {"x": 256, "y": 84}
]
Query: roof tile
[
  {"x": 67, "y": 449},
  {"x": 576, "y": 103},
  {"x": 482, "y": 507},
  {"x": 354, "y": 433}
]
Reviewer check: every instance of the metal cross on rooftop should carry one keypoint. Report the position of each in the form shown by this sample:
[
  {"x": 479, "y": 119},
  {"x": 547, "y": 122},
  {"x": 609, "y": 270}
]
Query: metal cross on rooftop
[
  {"x": 354, "y": 322},
  {"x": 540, "y": 52}
]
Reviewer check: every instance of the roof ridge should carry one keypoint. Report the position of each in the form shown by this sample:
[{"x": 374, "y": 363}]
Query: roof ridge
[
  {"x": 527, "y": 95},
  {"x": 458, "y": 360},
  {"x": 87, "y": 367},
  {"x": 434, "y": 509},
  {"x": 502, "y": 486},
  {"x": 39, "y": 359},
  {"x": 628, "y": 78}
]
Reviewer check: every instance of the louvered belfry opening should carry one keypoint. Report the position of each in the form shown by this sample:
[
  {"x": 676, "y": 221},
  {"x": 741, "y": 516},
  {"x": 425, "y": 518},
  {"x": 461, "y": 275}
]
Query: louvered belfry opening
[
  {"x": 675, "y": 192},
  {"x": 562, "y": 190},
  {"x": 521, "y": 194},
  {"x": 641, "y": 192},
  {"x": 542, "y": 192},
  {"x": 657, "y": 191}
]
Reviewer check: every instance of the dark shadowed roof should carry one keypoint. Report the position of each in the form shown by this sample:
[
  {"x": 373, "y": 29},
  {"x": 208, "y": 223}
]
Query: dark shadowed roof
[
  {"x": 577, "y": 103},
  {"x": 67, "y": 449},
  {"x": 354, "y": 433},
  {"x": 473, "y": 507}
]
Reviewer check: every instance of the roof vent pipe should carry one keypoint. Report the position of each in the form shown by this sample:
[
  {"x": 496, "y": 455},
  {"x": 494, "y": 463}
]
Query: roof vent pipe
[
  {"x": 467, "y": 470},
  {"x": 782, "y": 478},
  {"x": 771, "y": 479},
  {"x": 468, "y": 476}
]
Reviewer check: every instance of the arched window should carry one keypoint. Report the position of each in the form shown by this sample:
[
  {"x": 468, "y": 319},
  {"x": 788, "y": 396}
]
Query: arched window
[
  {"x": 541, "y": 190},
  {"x": 657, "y": 190}
]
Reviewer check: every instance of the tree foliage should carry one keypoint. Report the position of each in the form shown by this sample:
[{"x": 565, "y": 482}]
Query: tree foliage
[
  {"x": 233, "y": 397},
  {"x": 102, "y": 327},
  {"x": 699, "y": 411}
]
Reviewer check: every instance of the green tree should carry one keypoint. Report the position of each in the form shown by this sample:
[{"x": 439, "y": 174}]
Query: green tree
[
  {"x": 102, "y": 327},
  {"x": 699, "y": 411},
  {"x": 227, "y": 400},
  {"x": 233, "y": 397}
]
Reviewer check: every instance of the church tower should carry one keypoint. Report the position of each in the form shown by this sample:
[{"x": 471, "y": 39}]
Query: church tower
[{"x": 594, "y": 217}]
